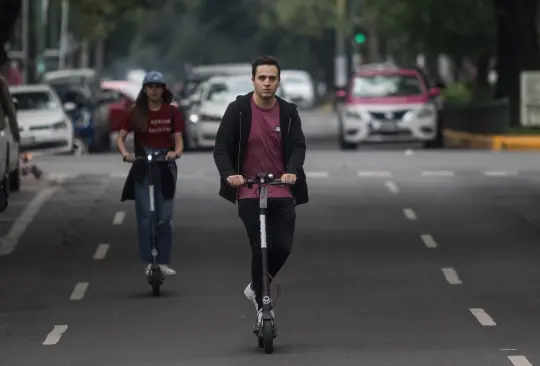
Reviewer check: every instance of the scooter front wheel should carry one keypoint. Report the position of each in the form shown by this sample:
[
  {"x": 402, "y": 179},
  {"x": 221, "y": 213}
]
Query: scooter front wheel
[
  {"x": 155, "y": 281},
  {"x": 155, "y": 289},
  {"x": 267, "y": 336}
]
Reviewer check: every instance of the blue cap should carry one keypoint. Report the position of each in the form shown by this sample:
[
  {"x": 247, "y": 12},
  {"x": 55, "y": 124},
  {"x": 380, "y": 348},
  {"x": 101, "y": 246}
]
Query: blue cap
[{"x": 154, "y": 77}]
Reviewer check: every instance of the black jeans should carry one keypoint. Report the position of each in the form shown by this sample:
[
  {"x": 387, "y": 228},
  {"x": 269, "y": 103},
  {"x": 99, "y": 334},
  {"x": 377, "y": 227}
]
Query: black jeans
[{"x": 280, "y": 222}]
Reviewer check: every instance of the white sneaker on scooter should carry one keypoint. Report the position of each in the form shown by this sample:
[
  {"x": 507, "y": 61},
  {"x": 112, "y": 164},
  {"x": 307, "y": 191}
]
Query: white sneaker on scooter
[
  {"x": 250, "y": 294},
  {"x": 165, "y": 269}
]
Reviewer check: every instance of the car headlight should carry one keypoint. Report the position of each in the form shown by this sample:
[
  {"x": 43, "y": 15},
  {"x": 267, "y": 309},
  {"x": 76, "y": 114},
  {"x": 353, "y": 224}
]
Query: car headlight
[
  {"x": 349, "y": 113},
  {"x": 194, "y": 118},
  {"x": 426, "y": 112},
  {"x": 84, "y": 120}
]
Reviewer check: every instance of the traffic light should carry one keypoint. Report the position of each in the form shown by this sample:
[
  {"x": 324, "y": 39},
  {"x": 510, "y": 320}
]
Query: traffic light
[{"x": 360, "y": 38}]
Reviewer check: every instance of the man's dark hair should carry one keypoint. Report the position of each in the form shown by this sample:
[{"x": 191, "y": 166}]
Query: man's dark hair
[{"x": 265, "y": 60}]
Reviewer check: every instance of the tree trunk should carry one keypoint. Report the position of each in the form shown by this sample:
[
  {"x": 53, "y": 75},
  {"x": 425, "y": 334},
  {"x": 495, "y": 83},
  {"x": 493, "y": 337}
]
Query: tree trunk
[
  {"x": 517, "y": 49},
  {"x": 9, "y": 14},
  {"x": 482, "y": 71}
]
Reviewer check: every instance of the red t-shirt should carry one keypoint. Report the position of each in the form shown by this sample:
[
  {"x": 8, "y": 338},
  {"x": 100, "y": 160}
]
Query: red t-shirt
[
  {"x": 159, "y": 131},
  {"x": 264, "y": 153}
]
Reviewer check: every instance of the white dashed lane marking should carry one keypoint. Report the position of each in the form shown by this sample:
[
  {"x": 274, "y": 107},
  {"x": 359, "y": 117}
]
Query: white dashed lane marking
[
  {"x": 392, "y": 187},
  {"x": 101, "y": 251},
  {"x": 79, "y": 291},
  {"x": 519, "y": 360},
  {"x": 409, "y": 213},
  {"x": 317, "y": 174},
  {"x": 428, "y": 241},
  {"x": 482, "y": 317},
  {"x": 54, "y": 336},
  {"x": 451, "y": 276},
  {"x": 374, "y": 174},
  {"x": 119, "y": 218},
  {"x": 438, "y": 173},
  {"x": 498, "y": 173}
]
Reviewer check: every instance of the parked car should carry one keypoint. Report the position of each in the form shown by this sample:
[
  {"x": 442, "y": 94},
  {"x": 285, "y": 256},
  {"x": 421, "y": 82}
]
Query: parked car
[
  {"x": 44, "y": 124},
  {"x": 10, "y": 173},
  {"x": 119, "y": 95},
  {"x": 388, "y": 104},
  {"x": 82, "y": 88},
  {"x": 299, "y": 87}
]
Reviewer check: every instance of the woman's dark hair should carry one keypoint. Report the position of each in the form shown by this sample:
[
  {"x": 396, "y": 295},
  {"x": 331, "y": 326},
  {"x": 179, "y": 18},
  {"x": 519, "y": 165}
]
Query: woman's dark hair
[{"x": 140, "y": 109}]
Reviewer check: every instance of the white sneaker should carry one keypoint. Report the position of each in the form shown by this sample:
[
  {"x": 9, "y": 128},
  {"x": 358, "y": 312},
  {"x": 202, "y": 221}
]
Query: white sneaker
[
  {"x": 250, "y": 294},
  {"x": 166, "y": 270}
]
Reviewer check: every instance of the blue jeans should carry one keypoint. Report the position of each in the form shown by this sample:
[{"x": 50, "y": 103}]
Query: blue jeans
[{"x": 164, "y": 212}]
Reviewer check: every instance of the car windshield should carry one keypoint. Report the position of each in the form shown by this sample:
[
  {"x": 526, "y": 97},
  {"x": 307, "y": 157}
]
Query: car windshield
[
  {"x": 132, "y": 91},
  {"x": 374, "y": 86},
  {"x": 226, "y": 91},
  {"x": 35, "y": 100},
  {"x": 72, "y": 94},
  {"x": 294, "y": 79}
]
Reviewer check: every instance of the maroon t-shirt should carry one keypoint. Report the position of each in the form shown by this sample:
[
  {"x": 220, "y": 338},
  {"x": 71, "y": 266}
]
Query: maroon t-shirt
[{"x": 264, "y": 153}]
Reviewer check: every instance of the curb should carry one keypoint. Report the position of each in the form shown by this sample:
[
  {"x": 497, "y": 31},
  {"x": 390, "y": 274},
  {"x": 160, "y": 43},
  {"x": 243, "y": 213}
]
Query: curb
[{"x": 490, "y": 142}]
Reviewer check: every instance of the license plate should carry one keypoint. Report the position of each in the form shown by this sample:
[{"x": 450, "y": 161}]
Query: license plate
[
  {"x": 388, "y": 127},
  {"x": 27, "y": 140}
]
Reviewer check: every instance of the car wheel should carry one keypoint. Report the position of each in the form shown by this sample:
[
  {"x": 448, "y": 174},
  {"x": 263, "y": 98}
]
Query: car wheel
[
  {"x": 79, "y": 147},
  {"x": 344, "y": 145},
  {"x": 15, "y": 179}
]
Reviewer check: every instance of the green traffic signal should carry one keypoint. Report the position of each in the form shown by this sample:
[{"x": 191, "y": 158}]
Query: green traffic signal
[{"x": 360, "y": 38}]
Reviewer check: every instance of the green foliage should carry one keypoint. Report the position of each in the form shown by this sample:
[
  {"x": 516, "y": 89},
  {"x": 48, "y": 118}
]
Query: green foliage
[
  {"x": 303, "y": 17},
  {"x": 456, "y": 27},
  {"x": 96, "y": 19},
  {"x": 457, "y": 93}
]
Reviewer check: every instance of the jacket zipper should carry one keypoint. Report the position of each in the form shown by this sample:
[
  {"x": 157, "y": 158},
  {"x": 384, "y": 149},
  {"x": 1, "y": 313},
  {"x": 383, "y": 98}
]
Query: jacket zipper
[
  {"x": 239, "y": 145},
  {"x": 239, "y": 149},
  {"x": 287, "y": 147}
]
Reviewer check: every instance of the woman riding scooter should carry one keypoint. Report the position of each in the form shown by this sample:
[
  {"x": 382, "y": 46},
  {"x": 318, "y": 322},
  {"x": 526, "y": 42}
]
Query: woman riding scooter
[{"x": 157, "y": 127}]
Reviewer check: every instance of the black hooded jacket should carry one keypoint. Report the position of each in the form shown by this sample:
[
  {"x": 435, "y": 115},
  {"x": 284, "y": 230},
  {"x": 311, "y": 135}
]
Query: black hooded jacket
[{"x": 232, "y": 138}]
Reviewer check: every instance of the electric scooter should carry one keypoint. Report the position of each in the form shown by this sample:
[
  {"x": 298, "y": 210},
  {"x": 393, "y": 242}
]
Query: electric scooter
[
  {"x": 267, "y": 331},
  {"x": 155, "y": 276}
]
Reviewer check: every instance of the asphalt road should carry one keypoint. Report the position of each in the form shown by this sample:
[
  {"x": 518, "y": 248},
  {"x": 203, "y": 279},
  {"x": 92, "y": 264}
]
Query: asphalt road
[{"x": 401, "y": 258}]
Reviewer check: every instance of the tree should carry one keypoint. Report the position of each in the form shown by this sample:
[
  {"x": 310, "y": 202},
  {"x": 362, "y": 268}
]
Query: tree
[
  {"x": 457, "y": 28},
  {"x": 11, "y": 10},
  {"x": 517, "y": 48}
]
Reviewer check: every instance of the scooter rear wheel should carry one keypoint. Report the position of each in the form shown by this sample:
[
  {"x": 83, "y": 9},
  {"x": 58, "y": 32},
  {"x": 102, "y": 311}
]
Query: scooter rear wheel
[
  {"x": 155, "y": 289},
  {"x": 267, "y": 336}
]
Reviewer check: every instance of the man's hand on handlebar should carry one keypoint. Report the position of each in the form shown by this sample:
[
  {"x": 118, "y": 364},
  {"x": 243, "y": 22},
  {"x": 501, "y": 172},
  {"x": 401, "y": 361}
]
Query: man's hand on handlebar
[
  {"x": 235, "y": 180},
  {"x": 288, "y": 178}
]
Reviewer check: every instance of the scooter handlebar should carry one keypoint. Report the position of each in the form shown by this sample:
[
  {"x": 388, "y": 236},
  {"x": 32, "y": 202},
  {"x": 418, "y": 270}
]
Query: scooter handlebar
[
  {"x": 158, "y": 159},
  {"x": 257, "y": 181}
]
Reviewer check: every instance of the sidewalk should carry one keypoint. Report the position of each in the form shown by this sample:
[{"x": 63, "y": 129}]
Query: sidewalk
[{"x": 490, "y": 142}]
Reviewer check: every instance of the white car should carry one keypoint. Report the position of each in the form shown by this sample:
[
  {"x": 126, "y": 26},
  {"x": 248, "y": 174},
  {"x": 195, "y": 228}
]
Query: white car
[
  {"x": 43, "y": 123},
  {"x": 209, "y": 104},
  {"x": 299, "y": 87},
  {"x": 389, "y": 105},
  {"x": 9, "y": 159}
]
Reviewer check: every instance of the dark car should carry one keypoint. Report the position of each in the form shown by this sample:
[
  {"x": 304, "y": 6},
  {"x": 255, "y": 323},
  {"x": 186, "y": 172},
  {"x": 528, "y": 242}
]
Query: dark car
[{"x": 81, "y": 87}]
